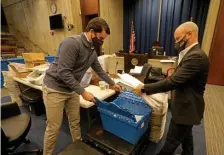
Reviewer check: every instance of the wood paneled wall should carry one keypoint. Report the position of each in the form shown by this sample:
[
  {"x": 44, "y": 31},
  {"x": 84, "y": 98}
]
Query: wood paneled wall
[
  {"x": 29, "y": 21},
  {"x": 112, "y": 12}
]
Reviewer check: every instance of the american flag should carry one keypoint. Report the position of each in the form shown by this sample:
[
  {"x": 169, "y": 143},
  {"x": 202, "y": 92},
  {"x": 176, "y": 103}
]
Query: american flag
[{"x": 132, "y": 39}]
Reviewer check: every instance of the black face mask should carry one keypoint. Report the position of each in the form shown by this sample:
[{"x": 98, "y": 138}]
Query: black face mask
[
  {"x": 97, "y": 41},
  {"x": 181, "y": 45}
]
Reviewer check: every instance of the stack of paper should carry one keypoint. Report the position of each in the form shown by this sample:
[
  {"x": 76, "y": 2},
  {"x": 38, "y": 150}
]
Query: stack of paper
[
  {"x": 136, "y": 70},
  {"x": 167, "y": 61},
  {"x": 129, "y": 82}
]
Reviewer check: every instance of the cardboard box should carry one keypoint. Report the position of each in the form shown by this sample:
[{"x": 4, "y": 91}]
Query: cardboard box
[
  {"x": 20, "y": 72},
  {"x": 33, "y": 59}
]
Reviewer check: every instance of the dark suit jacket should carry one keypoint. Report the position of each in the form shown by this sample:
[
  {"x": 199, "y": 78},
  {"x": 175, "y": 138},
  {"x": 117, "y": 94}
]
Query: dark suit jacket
[{"x": 188, "y": 80}]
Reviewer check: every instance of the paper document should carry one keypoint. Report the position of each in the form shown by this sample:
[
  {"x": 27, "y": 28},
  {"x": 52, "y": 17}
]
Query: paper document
[
  {"x": 129, "y": 81},
  {"x": 172, "y": 61},
  {"x": 138, "y": 117},
  {"x": 136, "y": 70}
]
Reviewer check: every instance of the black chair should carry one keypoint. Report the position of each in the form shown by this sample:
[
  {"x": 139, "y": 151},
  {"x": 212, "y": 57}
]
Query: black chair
[
  {"x": 156, "y": 44},
  {"x": 146, "y": 70},
  {"x": 14, "y": 129}
]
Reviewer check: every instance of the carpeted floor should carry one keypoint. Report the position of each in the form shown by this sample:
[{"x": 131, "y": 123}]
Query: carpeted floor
[
  {"x": 214, "y": 122},
  {"x": 36, "y": 135}
]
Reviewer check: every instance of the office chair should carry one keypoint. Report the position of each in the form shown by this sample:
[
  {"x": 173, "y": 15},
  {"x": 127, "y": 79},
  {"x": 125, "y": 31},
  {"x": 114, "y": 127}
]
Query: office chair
[
  {"x": 152, "y": 74},
  {"x": 156, "y": 49},
  {"x": 156, "y": 44},
  {"x": 14, "y": 129}
]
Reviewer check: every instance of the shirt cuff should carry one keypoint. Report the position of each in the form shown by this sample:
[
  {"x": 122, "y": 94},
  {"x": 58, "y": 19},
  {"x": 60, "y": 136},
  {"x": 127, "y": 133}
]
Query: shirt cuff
[{"x": 79, "y": 90}]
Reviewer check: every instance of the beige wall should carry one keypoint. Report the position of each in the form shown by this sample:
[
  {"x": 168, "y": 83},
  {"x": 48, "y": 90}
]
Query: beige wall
[
  {"x": 112, "y": 12},
  {"x": 29, "y": 21}
]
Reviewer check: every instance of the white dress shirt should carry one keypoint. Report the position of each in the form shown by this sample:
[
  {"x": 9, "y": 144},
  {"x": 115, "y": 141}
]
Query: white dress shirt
[
  {"x": 182, "y": 53},
  {"x": 86, "y": 37}
]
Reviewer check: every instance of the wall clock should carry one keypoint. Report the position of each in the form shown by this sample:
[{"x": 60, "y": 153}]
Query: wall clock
[{"x": 53, "y": 8}]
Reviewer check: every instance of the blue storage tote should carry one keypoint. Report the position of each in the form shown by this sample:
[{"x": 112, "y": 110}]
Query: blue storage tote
[
  {"x": 126, "y": 117},
  {"x": 50, "y": 59}
]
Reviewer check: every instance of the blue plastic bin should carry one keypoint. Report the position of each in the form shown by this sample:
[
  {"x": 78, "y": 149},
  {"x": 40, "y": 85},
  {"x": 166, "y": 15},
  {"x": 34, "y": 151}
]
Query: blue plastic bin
[
  {"x": 118, "y": 117},
  {"x": 50, "y": 59}
]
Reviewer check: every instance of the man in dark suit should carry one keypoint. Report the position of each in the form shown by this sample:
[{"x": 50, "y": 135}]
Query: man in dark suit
[{"x": 188, "y": 81}]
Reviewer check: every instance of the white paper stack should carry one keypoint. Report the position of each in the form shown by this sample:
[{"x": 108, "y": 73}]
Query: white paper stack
[
  {"x": 136, "y": 70},
  {"x": 129, "y": 82},
  {"x": 159, "y": 104},
  {"x": 37, "y": 76}
]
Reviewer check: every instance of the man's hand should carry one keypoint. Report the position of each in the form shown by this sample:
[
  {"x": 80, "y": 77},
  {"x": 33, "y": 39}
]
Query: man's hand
[
  {"x": 116, "y": 87},
  {"x": 88, "y": 96},
  {"x": 138, "y": 90}
]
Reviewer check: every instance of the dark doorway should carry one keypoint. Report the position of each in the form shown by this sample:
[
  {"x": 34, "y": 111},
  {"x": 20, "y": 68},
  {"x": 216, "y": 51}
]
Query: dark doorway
[{"x": 4, "y": 25}]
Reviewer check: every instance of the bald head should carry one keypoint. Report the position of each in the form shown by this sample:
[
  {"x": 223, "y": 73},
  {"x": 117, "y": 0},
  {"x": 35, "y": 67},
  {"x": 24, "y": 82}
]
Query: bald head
[{"x": 188, "y": 29}]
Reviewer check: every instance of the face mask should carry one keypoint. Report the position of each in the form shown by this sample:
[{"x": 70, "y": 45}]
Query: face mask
[
  {"x": 181, "y": 45},
  {"x": 97, "y": 41}
]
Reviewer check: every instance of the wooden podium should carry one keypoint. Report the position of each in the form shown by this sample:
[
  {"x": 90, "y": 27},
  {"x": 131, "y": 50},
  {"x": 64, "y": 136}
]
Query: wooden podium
[{"x": 132, "y": 60}]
